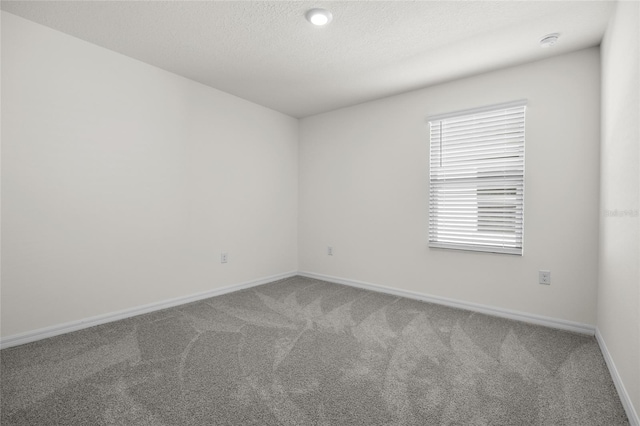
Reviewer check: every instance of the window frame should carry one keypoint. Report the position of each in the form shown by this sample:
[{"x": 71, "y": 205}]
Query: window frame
[{"x": 513, "y": 246}]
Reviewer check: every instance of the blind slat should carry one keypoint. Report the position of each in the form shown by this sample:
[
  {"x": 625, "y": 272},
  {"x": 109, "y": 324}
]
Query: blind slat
[{"x": 479, "y": 120}]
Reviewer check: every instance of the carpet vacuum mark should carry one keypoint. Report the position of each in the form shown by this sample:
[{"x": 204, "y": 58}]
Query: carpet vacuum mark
[{"x": 306, "y": 352}]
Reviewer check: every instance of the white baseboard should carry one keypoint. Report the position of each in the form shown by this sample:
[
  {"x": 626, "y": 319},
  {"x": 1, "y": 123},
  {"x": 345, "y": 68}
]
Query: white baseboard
[
  {"x": 43, "y": 333},
  {"x": 561, "y": 324},
  {"x": 632, "y": 414}
]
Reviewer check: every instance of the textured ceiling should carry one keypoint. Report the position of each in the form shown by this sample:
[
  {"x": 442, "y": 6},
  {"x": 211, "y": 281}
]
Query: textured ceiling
[{"x": 266, "y": 52}]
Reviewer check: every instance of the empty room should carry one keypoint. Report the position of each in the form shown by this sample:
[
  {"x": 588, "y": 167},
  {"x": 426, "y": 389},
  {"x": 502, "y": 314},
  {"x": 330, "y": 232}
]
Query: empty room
[{"x": 320, "y": 213}]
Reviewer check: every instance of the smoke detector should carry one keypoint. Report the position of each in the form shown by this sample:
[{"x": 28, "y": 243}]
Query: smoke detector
[{"x": 549, "y": 40}]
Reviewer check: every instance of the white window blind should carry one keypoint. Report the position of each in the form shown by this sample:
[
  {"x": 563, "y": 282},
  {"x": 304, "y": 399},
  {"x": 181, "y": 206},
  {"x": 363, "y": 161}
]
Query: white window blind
[{"x": 476, "y": 179}]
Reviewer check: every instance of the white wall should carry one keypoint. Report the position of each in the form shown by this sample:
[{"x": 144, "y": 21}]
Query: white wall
[
  {"x": 364, "y": 190},
  {"x": 619, "y": 286},
  {"x": 122, "y": 183}
]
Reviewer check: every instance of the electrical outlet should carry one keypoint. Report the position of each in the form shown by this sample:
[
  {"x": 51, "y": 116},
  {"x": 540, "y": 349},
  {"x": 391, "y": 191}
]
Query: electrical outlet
[
  {"x": 329, "y": 251},
  {"x": 544, "y": 277},
  {"x": 224, "y": 257}
]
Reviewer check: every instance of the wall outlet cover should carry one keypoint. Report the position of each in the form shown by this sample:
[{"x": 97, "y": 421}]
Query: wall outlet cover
[{"x": 544, "y": 277}]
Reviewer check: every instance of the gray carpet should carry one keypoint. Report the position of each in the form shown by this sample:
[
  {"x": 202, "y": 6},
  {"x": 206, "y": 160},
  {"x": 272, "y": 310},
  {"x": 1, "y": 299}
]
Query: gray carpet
[{"x": 306, "y": 352}]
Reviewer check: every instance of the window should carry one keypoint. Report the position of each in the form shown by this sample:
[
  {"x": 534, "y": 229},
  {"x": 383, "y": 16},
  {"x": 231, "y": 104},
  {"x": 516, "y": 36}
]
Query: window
[{"x": 476, "y": 179}]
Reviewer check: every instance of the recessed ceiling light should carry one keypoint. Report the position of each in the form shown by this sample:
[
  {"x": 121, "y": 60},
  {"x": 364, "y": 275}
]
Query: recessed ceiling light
[
  {"x": 549, "y": 40},
  {"x": 318, "y": 17}
]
